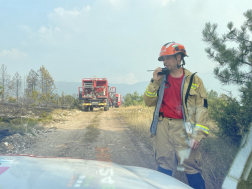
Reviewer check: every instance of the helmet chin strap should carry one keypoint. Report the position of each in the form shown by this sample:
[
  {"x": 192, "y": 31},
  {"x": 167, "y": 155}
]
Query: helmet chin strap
[{"x": 178, "y": 66}]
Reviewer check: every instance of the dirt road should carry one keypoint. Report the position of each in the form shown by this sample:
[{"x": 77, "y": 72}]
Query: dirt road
[{"x": 101, "y": 135}]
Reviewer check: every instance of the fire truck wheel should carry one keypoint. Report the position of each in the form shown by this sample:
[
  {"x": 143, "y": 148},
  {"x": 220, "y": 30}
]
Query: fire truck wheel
[
  {"x": 86, "y": 108},
  {"x": 105, "y": 108},
  {"x": 91, "y": 108}
]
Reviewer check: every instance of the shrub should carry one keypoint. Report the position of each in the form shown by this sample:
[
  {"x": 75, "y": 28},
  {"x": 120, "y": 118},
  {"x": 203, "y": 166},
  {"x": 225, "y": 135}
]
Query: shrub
[
  {"x": 231, "y": 116},
  {"x": 133, "y": 99}
]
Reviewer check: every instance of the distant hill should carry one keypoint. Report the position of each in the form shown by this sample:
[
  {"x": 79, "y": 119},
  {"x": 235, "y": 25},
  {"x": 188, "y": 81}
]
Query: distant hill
[{"x": 123, "y": 89}]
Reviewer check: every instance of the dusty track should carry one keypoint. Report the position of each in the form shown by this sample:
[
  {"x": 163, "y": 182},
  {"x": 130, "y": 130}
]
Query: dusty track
[{"x": 101, "y": 135}]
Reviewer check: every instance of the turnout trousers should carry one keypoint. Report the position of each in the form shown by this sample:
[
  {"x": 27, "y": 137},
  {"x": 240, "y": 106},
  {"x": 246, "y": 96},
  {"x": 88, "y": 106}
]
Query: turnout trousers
[{"x": 172, "y": 150}]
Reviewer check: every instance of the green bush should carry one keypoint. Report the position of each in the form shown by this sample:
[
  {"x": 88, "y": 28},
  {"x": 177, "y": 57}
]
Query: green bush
[
  {"x": 16, "y": 121},
  {"x": 44, "y": 114},
  {"x": 45, "y": 117},
  {"x": 246, "y": 102},
  {"x": 77, "y": 104},
  {"x": 232, "y": 117},
  {"x": 12, "y": 99},
  {"x": 133, "y": 99},
  {"x": 20, "y": 125},
  {"x": 226, "y": 112}
]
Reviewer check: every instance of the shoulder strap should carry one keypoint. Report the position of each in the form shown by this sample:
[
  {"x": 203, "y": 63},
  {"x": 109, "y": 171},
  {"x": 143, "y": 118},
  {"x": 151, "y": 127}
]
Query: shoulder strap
[{"x": 188, "y": 89}]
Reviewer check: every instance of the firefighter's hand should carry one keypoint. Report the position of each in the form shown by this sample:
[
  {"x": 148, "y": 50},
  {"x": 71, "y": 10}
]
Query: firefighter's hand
[
  {"x": 194, "y": 144},
  {"x": 157, "y": 77}
]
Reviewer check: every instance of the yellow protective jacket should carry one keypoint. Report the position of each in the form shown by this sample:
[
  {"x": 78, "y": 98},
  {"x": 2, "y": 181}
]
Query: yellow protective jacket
[{"x": 194, "y": 109}]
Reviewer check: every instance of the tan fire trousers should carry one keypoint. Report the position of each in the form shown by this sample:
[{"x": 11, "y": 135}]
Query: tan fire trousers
[{"x": 172, "y": 150}]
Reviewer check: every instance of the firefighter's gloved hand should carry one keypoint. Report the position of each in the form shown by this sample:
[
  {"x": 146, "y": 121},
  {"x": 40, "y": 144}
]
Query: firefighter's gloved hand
[
  {"x": 157, "y": 77},
  {"x": 194, "y": 144}
]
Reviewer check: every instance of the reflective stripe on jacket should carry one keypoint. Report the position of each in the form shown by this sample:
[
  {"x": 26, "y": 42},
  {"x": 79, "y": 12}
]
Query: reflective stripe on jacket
[{"x": 194, "y": 111}]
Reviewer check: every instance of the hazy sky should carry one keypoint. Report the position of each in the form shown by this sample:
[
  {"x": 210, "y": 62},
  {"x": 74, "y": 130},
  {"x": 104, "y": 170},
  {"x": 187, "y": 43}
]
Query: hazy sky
[{"x": 116, "y": 39}]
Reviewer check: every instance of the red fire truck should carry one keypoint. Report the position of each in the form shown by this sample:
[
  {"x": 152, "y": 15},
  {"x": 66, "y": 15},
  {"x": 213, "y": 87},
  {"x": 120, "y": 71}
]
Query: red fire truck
[
  {"x": 114, "y": 98},
  {"x": 118, "y": 100},
  {"x": 94, "y": 93}
]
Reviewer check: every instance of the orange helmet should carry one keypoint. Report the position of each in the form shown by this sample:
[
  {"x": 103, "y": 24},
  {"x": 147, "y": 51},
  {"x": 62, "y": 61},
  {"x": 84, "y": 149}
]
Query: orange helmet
[{"x": 172, "y": 48}]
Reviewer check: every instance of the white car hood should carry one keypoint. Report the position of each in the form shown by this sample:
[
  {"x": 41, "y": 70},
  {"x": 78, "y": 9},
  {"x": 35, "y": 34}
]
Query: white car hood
[{"x": 22, "y": 171}]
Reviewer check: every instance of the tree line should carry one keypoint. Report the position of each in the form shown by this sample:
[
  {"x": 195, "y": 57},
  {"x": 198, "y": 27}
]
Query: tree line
[{"x": 37, "y": 88}]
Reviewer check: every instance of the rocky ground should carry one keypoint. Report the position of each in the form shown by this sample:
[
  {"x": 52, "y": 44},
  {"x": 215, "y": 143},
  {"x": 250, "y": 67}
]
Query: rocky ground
[{"x": 100, "y": 135}]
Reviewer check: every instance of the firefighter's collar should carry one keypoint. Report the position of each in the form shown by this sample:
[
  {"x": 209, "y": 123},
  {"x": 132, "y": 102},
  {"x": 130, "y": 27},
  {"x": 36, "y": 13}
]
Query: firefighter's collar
[{"x": 187, "y": 72}]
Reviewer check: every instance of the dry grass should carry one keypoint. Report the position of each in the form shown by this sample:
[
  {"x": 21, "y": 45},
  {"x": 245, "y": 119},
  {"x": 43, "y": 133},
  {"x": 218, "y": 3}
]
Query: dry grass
[
  {"x": 61, "y": 114},
  {"x": 217, "y": 153},
  {"x": 93, "y": 131},
  {"x": 26, "y": 124},
  {"x": 139, "y": 119}
]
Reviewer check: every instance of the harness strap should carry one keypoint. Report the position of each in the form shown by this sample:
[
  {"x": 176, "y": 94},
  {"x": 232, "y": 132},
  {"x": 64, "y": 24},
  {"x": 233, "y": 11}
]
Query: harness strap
[{"x": 188, "y": 89}]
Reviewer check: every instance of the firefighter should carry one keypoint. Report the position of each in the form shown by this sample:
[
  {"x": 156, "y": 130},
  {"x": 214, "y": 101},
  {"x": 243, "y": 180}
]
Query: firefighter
[
  {"x": 180, "y": 119},
  {"x": 112, "y": 103}
]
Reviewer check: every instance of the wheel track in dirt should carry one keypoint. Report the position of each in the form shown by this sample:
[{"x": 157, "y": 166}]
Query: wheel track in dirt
[{"x": 112, "y": 140}]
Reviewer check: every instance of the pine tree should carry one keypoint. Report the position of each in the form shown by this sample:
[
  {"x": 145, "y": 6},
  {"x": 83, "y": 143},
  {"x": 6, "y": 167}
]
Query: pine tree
[
  {"x": 32, "y": 82},
  {"x": 1, "y": 90},
  {"x": 17, "y": 85},
  {"x": 235, "y": 63},
  {"x": 49, "y": 85},
  {"x": 46, "y": 84},
  {"x": 5, "y": 82},
  {"x": 234, "y": 67},
  {"x": 41, "y": 73}
]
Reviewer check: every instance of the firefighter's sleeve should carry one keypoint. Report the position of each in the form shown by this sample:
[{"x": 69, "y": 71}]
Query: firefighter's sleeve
[
  {"x": 150, "y": 94},
  {"x": 201, "y": 129}
]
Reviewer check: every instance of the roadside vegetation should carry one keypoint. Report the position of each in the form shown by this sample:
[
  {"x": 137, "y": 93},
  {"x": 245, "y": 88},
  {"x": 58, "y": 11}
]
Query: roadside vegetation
[
  {"x": 36, "y": 89},
  {"x": 27, "y": 103},
  {"x": 32, "y": 121},
  {"x": 232, "y": 53}
]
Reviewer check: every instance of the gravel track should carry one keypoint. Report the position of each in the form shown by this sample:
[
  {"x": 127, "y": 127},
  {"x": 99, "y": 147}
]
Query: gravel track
[{"x": 99, "y": 135}]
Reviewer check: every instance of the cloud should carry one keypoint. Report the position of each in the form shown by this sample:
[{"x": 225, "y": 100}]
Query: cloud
[
  {"x": 117, "y": 3},
  {"x": 129, "y": 79},
  {"x": 43, "y": 34},
  {"x": 69, "y": 13},
  {"x": 62, "y": 12},
  {"x": 25, "y": 28},
  {"x": 73, "y": 19},
  {"x": 62, "y": 23},
  {"x": 124, "y": 3},
  {"x": 165, "y": 2},
  {"x": 13, "y": 53},
  {"x": 47, "y": 33}
]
